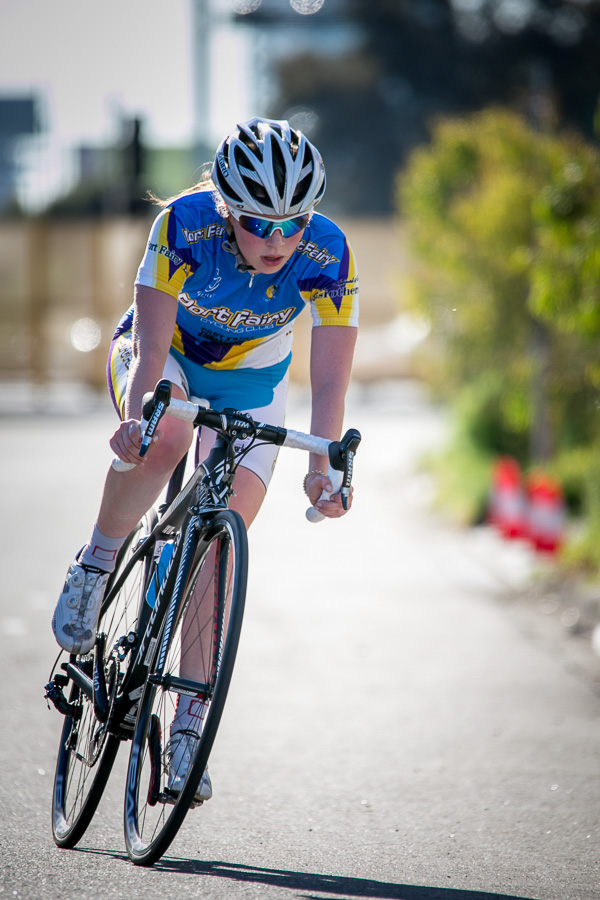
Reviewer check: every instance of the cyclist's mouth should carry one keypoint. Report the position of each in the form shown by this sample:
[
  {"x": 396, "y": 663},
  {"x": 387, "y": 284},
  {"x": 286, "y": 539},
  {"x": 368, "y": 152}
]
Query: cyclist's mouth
[{"x": 273, "y": 261}]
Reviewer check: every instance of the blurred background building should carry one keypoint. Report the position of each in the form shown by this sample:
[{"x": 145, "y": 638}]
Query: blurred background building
[{"x": 18, "y": 120}]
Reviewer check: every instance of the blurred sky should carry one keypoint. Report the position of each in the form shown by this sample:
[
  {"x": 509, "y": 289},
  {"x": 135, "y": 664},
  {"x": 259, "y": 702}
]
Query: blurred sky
[
  {"x": 91, "y": 60},
  {"x": 92, "y": 65}
]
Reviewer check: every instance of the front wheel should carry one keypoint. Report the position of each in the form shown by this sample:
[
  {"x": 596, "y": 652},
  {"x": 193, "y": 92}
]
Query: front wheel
[
  {"x": 194, "y": 658},
  {"x": 87, "y": 749}
]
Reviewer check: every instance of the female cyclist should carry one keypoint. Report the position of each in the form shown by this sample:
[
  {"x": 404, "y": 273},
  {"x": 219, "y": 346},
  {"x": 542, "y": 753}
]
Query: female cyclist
[{"x": 228, "y": 267}]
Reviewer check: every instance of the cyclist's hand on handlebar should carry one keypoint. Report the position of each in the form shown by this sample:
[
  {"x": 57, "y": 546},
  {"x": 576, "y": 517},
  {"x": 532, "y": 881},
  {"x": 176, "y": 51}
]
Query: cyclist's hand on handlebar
[
  {"x": 331, "y": 508},
  {"x": 126, "y": 441}
]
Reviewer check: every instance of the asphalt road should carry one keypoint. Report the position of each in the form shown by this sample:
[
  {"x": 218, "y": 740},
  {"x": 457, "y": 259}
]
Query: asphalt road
[{"x": 394, "y": 730}]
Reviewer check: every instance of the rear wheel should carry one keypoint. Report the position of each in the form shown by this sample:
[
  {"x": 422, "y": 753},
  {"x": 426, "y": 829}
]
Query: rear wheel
[
  {"x": 87, "y": 749},
  {"x": 194, "y": 658}
]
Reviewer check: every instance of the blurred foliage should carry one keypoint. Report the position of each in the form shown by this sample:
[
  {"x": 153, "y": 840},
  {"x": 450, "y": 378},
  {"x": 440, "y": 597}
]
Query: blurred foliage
[
  {"x": 504, "y": 226},
  {"x": 579, "y": 472},
  {"x": 462, "y": 470}
]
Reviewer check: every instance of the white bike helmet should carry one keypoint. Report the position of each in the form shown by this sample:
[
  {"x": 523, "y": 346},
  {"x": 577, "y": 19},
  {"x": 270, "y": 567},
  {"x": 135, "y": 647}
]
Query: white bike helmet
[{"x": 266, "y": 168}]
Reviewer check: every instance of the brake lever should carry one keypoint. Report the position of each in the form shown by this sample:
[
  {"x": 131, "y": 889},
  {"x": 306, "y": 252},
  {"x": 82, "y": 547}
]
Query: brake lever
[
  {"x": 154, "y": 407},
  {"x": 347, "y": 479},
  {"x": 346, "y": 451}
]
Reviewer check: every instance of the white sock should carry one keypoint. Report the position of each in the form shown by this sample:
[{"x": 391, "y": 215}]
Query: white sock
[
  {"x": 101, "y": 551},
  {"x": 189, "y": 715}
]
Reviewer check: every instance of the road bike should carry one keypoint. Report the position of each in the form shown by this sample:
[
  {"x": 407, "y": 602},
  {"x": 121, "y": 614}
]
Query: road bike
[{"x": 169, "y": 626}]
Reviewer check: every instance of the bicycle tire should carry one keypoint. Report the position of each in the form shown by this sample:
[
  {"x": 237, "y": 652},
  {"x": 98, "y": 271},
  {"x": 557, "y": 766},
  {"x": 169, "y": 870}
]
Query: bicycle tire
[
  {"x": 87, "y": 749},
  {"x": 152, "y": 816}
]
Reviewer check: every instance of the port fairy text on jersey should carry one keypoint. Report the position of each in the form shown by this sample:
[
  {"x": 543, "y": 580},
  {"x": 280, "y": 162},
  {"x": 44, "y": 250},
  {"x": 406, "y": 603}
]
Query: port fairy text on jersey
[
  {"x": 236, "y": 318},
  {"x": 310, "y": 249},
  {"x": 203, "y": 234},
  {"x": 164, "y": 251}
]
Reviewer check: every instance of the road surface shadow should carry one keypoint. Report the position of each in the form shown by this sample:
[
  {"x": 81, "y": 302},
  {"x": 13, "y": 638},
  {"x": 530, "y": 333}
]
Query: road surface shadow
[{"x": 340, "y": 886}]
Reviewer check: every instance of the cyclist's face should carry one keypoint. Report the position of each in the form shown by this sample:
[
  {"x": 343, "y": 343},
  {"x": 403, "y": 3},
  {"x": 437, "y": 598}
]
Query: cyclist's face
[{"x": 268, "y": 254}]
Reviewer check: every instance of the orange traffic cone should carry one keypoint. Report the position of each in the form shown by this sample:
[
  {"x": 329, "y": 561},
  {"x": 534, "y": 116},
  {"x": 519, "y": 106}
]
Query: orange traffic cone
[
  {"x": 546, "y": 516},
  {"x": 508, "y": 502}
]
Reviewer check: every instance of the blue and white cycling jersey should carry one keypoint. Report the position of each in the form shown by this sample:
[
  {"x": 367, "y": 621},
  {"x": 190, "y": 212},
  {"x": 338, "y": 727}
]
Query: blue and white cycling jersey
[{"x": 227, "y": 319}]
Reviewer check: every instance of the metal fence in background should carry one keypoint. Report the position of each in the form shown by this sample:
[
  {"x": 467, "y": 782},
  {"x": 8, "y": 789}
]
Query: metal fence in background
[{"x": 64, "y": 286}]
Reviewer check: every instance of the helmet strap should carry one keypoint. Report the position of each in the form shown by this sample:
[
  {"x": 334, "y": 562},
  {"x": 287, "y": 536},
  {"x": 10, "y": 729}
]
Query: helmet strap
[{"x": 231, "y": 246}]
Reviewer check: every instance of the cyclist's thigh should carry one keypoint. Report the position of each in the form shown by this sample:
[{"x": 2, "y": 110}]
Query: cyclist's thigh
[
  {"x": 120, "y": 358},
  {"x": 176, "y": 435}
]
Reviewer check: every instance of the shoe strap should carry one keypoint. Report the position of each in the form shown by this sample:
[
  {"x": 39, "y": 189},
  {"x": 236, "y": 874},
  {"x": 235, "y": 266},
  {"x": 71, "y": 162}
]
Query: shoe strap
[{"x": 187, "y": 731}]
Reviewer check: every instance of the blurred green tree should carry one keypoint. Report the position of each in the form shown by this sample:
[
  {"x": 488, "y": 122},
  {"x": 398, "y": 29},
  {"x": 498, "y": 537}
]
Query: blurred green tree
[
  {"x": 504, "y": 222},
  {"x": 504, "y": 225}
]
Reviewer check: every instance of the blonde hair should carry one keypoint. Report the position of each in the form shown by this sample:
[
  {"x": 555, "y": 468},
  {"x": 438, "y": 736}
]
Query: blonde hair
[{"x": 204, "y": 184}]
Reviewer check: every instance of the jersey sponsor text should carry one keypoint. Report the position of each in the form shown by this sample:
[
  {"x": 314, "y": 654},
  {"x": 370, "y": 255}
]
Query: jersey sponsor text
[{"x": 237, "y": 318}]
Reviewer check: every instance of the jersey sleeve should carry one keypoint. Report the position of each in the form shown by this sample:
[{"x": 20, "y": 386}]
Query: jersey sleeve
[
  {"x": 167, "y": 262},
  {"x": 330, "y": 287}
]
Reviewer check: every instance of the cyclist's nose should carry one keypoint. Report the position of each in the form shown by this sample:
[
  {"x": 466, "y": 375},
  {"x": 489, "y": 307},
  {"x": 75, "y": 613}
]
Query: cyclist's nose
[{"x": 275, "y": 239}]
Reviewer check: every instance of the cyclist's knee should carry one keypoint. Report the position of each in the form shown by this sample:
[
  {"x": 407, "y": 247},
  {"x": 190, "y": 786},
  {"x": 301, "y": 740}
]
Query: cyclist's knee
[{"x": 172, "y": 444}]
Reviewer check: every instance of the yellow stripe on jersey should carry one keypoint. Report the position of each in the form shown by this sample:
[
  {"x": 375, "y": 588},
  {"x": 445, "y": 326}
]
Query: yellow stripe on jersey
[
  {"x": 164, "y": 276},
  {"x": 343, "y": 310},
  {"x": 177, "y": 342},
  {"x": 235, "y": 358}
]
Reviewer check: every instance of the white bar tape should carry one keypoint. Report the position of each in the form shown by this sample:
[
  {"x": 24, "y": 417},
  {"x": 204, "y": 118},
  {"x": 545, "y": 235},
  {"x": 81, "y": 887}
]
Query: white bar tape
[
  {"x": 119, "y": 465},
  {"x": 309, "y": 442},
  {"x": 183, "y": 409}
]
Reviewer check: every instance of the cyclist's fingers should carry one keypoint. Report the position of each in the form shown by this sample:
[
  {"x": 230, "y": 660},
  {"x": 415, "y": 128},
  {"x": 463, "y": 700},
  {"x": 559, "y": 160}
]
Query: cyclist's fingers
[
  {"x": 315, "y": 485},
  {"x": 333, "y": 507},
  {"x": 330, "y": 509},
  {"x": 132, "y": 432},
  {"x": 126, "y": 441}
]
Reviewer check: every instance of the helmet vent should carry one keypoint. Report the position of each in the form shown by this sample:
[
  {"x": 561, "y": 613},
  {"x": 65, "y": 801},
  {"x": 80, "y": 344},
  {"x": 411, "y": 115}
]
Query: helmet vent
[{"x": 279, "y": 169}]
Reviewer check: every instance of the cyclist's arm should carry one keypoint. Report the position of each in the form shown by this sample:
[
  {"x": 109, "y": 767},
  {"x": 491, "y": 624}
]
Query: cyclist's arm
[
  {"x": 332, "y": 350},
  {"x": 153, "y": 326},
  {"x": 161, "y": 275}
]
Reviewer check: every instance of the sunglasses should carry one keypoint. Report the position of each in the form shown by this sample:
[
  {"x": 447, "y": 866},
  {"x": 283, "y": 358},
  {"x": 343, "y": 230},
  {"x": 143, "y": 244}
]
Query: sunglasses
[{"x": 264, "y": 228}]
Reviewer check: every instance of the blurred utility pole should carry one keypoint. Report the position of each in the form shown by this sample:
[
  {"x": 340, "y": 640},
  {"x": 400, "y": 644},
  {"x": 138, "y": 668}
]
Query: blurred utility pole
[
  {"x": 223, "y": 74},
  {"x": 134, "y": 163},
  {"x": 541, "y": 443}
]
